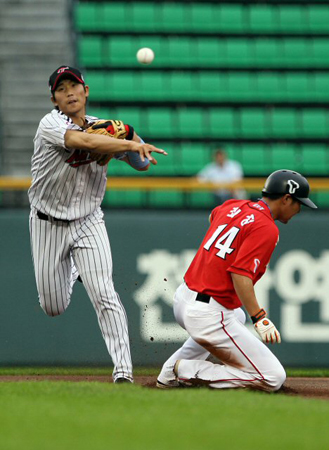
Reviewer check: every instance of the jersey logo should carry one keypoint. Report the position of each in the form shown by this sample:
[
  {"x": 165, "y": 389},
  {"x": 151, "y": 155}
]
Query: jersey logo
[
  {"x": 248, "y": 219},
  {"x": 79, "y": 158},
  {"x": 256, "y": 205},
  {"x": 293, "y": 186},
  {"x": 256, "y": 262},
  {"x": 235, "y": 211}
]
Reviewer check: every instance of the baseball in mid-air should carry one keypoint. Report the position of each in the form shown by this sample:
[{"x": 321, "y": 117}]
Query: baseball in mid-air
[{"x": 145, "y": 55}]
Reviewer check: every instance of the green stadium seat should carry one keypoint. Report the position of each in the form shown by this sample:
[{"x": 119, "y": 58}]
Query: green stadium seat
[
  {"x": 121, "y": 51},
  {"x": 209, "y": 52},
  {"x": 151, "y": 86},
  {"x": 221, "y": 123},
  {"x": 298, "y": 87},
  {"x": 267, "y": 53},
  {"x": 240, "y": 87},
  {"x": 91, "y": 51},
  {"x": 201, "y": 200},
  {"x": 314, "y": 123},
  {"x": 285, "y": 157},
  {"x": 212, "y": 86},
  {"x": 255, "y": 159},
  {"x": 173, "y": 17},
  {"x": 190, "y": 122},
  {"x": 125, "y": 85},
  {"x": 101, "y": 113},
  {"x": 193, "y": 158},
  {"x": 263, "y": 19},
  {"x": 132, "y": 116},
  {"x": 86, "y": 17},
  {"x": 315, "y": 160},
  {"x": 293, "y": 19},
  {"x": 161, "y": 122},
  {"x": 166, "y": 199},
  {"x": 182, "y": 86},
  {"x": 181, "y": 51},
  {"x": 284, "y": 123},
  {"x": 318, "y": 16},
  {"x": 203, "y": 18},
  {"x": 269, "y": 87},
  {"x": 231, "y": 18},
  {"x": 143, "y": 17},
  {"x": 296, "y": 52},
  {"x": 115, "y": 16},
  {"x": 124, "y": 198},
  {"x": 253, "y": 123},
  {"x": 319, "y": 49},
  {"x": 320, "y": 83},
  {"x": 239, "y": 53},
  {"x": 167, "y": 165},
  {"x": 99, "y": 88}
]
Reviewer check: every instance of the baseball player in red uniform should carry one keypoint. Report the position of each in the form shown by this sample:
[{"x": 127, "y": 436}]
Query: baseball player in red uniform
[
  {"x": 232, "y": 257},
  {"x": 68, "y": 235}
]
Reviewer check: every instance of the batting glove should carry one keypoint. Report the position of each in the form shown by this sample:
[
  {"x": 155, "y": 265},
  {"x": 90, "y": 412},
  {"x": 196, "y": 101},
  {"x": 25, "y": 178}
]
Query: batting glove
[{"x": 267, "y": 331}]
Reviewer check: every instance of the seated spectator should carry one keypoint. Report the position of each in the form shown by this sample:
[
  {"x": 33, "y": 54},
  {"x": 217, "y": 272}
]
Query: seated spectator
[{"x": 223, "y": 170}]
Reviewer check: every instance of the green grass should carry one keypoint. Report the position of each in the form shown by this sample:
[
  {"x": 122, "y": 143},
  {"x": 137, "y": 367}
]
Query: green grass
[
  {"x": 98, "y": 416},
  {"x": 103, "y": 371}
]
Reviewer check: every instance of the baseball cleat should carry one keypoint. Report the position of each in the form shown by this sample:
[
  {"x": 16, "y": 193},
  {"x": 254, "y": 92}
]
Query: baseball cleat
[
  {"x": 122, "y": 380},
  {"x": 168, "y": 385}
]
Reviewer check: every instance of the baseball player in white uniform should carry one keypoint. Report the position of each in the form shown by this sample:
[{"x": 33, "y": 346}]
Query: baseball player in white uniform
[{"x": 68, "y": 235}]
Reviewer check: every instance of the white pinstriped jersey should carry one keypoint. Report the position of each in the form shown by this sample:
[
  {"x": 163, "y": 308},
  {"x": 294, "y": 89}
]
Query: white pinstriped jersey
[{"x": 66, "y": 184}]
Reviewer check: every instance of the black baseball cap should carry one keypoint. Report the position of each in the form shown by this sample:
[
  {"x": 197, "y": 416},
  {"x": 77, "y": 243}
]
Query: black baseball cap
[{"x": 64, "y": 72}]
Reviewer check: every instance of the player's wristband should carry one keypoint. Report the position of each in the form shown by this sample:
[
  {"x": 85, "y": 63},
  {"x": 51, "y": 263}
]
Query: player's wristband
[
  {"x": 260, "y": 315},
  {"x": 130, "y": 132},
  {"x": 135, "y": 160}
]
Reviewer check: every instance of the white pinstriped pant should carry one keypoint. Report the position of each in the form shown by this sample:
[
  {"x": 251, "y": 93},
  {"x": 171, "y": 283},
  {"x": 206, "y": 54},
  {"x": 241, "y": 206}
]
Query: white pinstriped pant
[
  {"x": 246, "y": 361},
  {"x": 62, "y": 251}
]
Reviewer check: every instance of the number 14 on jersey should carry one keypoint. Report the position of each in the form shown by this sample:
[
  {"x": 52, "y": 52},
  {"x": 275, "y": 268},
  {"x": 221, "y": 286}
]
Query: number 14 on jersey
[{"x": 224, "y": 241}]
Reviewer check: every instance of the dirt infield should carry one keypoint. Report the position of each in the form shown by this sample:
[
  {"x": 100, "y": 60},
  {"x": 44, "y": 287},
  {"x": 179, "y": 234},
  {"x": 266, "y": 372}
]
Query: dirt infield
[{"x": 302, "y": 387}]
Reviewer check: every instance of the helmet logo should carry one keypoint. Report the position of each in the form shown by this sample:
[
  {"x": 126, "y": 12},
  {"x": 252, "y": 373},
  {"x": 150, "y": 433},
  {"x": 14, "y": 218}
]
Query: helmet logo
[{"x": 293, "y": 186}]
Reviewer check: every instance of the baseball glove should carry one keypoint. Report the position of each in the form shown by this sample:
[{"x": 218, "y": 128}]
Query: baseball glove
[{"x": 112, "y": 128}]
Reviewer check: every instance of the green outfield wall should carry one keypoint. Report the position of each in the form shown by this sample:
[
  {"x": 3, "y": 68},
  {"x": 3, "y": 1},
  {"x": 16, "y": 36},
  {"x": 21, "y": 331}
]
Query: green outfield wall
[{"x": 151, "y": 251}]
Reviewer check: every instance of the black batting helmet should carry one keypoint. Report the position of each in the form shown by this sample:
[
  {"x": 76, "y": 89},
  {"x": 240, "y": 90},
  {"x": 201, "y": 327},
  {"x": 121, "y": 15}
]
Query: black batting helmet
[{"x": 289, "y": 182}]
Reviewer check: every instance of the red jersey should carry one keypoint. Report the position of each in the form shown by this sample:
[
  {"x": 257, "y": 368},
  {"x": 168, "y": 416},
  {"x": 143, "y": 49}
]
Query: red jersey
[{"x": 241, "y": 239}]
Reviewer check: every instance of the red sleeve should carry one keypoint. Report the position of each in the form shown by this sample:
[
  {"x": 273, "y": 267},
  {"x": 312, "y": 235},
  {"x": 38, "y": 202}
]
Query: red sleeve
[{"x": 255, "y": 252}]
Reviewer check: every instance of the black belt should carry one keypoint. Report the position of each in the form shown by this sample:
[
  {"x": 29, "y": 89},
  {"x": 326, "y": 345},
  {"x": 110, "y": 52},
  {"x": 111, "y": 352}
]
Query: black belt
[
  {"x": 204, "y": 298},
  {"x": 43, "y": 216}
]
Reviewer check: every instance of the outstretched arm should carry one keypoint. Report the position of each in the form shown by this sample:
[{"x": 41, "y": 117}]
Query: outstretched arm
[{"x": 106, "y": 145}]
